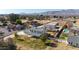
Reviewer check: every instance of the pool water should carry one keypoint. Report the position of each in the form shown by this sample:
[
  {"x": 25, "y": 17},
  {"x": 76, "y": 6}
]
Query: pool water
[{"x": 66, "y": 30}]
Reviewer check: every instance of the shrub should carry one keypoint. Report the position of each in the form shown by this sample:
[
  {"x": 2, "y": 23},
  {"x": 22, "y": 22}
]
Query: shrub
[
  {"x": 43, "y": 37},
  {"x": 18, "y": 21}
]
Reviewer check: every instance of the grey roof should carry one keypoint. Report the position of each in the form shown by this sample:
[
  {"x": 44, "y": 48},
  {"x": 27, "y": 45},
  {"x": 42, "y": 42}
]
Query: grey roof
[{"x": 74, "y": 39}]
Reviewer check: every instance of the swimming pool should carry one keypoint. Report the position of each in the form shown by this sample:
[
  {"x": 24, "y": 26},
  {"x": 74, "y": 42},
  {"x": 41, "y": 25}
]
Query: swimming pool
[{"x": 66, "y": 31}]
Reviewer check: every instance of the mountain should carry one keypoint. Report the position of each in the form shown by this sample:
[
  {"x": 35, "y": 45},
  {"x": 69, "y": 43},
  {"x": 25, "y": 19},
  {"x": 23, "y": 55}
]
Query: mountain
[
  {"x": 69, "y": 12},
  {"x": 61, "y": 12}
]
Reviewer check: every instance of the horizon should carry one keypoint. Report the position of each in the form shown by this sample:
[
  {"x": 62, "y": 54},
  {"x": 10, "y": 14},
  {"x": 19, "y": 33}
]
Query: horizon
[{"x": 26, "y": 11}]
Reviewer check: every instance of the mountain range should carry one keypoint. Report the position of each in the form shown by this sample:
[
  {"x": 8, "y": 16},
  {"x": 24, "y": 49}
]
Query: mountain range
[
  {"x": 68, "y": 12},
  {"x": 62, "y": 12}
]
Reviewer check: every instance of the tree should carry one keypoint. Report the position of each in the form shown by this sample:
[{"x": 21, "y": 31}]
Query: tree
[
  {"x": 41, "y": 17},
  {"x": 2, "y": 19},
  {"x": 74, "y": 21},
  {"x": 74, "y": 17},
  {"x": 55, "y": 16},
  {"x": 18, "y": 21},
  {"x": 13, "y": 17},
  {"x": 43, "y": 37},
  {"x": 15, "y": 34},
  {"x": 60, "y": 16},
  {"x": 47, "y": 17},
  {"x": 22, "y": 16}
]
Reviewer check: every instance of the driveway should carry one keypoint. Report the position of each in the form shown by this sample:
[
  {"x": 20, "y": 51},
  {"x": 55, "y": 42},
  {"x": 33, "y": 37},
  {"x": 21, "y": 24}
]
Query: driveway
[{"x": 61, "y": 40}]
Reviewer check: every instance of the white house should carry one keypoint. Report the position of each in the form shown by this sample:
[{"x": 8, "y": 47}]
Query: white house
[{"x": 73, "y": 41}]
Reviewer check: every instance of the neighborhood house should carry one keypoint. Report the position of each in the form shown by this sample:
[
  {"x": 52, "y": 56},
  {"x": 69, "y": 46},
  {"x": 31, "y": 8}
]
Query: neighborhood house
[
  {"x": 37, "y": 31},
  {"x": 74, "y": 41}
]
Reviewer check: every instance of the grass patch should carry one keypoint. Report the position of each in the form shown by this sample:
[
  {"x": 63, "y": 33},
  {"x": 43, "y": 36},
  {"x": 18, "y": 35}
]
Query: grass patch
[
  {"x": 64, "y": 37},
  {"x": 30, "y": 42}
]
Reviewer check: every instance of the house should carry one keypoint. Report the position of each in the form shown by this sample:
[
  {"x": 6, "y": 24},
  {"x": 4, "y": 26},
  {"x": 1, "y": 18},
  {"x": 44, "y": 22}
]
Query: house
[
  {"x": 19, "y": 27},
  {"x": 35, "y": 31},
  {"x": 53, "y": 26},
  {"x": 73, "y": 41},
  {"x": 10, "y": 27},
  {"x": 75, "y": 29}
]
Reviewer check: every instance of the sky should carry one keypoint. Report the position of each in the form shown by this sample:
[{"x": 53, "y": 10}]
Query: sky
[
  {"x": 37, "y": 4},
  {"x": 27, "y": 11}
]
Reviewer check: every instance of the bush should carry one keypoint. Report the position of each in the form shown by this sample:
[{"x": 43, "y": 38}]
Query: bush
[
  {"x": 43, "y": 37},
  {"x": 21, "y": 39},
  {"x": 16, "y": 35},
  {"x": 18, "y": 21}
]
